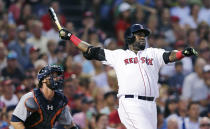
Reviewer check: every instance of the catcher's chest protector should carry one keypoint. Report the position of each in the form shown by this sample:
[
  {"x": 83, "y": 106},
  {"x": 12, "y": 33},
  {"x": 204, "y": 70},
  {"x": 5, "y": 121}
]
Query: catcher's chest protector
[{"x": 48, "y": 112}]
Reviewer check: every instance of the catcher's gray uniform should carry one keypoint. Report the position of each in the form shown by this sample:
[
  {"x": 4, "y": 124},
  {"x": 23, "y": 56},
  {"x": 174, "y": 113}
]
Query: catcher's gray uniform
[{"x": 21, "y": 113}]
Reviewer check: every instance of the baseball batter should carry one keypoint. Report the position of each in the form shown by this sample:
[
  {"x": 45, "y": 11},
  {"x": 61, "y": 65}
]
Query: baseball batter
[{"x": 137, "y": 72}]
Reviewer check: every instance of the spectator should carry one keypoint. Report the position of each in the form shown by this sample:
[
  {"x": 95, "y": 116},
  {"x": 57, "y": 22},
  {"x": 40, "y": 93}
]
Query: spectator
[
  {"x": 165, "y": 22},
  {"x": 8, "y": 97},
  {"x": 110, "y": 102},
  {"x": 177, "y": 79},
  {"x": 15, "y": 9},
  {"x": 46, "y": 20},
  {"x": 172, "y": 123},
  {"x": 161, "y": 122},
  {"x": 11, "y": 34},
  {"x": 26, "y": 12},
  {"x": 69, "y": 90},
  {"x": 202, "y": 30},
  {"x": 112, "y": 80},
  {"x": 194, "y": 88},
  {"x": 41, "y": 8},
  {"x": 192, "y": 20},
  {"x": 52, "y": 34},
  {"x": 88, "y": 22},
  {"x": 12, "y": 69},
  {"x": 67, "y": 64},
  {"x": 204, "y": 49},
  {"x": 81, "y": 117},
  {"x": 21, "y": 47},
  {"x": 122, "y": 23},
  {"x": 192, "y": 38},
  {"x": 10, "y": 110},
  {"x": 76, "y": 103},
  {"x": 37, "y": 39},
  {"x": 33, "y": 55},
  {"x": 170, "y": 106},
  {"x": 182, "y": 10},
  {"x": 204, "y": 13},
  {"x": 181, "y": 113},
  {"x": 192, "y": 122},
  {"x": 139, "y": 15},
  {"x": 110, "y": 43},
  {"x": 114, "y": 120},
  {"x": 20, "y": 91},
  {"x": 100, "y": 76},
  {"x": 52, "y": 57},
  {"x": 3, "y": 54},
  {"x": 205, "y": 123},
  {"x": 153, "y": 23},
  {"x": 102, "y": 121}
]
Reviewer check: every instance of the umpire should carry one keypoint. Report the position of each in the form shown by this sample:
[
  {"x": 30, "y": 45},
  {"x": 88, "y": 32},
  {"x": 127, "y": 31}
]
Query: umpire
[{"x": 43, "y": 106}]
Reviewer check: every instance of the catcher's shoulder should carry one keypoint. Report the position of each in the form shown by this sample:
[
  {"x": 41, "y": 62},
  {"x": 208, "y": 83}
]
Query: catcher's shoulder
[{"x": 27, "y": 95}]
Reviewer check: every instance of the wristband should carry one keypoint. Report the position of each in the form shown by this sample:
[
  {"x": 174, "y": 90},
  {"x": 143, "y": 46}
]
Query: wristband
[
  {"x": 179, "y": 55},
  {"x": 75, "y": 40}
]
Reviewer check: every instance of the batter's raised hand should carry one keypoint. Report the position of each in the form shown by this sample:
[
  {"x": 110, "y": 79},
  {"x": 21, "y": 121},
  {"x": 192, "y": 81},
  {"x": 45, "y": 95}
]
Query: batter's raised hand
[
  {"x": 65, "y": 34},
  {"x": 189, "y": 52}
]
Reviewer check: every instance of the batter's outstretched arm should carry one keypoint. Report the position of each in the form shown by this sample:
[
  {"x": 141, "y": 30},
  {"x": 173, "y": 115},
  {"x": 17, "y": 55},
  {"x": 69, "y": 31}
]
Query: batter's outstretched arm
[
  {"x": 66, "y": 35},
  {"x": 175, "y": 55},
  {"x": 90, "y": 52}
]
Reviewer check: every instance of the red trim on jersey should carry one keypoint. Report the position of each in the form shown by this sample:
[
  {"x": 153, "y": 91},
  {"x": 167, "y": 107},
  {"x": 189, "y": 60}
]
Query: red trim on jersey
[
  {"x": 75, "y": 40},
  {"x": 128, "y": 115},
  {"x": 54, "y": 117},
  {"x": 142, "y": 76},
  {"x": 149, "y": 82},
  {"x": 39, "y": 111}
]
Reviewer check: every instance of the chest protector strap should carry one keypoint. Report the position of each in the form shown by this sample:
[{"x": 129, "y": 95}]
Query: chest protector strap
[{"x": 48, "y": 112}]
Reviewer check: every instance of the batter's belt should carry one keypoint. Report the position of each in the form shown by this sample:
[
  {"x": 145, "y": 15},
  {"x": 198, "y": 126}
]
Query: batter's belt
[{"x": 141, "y": 97}]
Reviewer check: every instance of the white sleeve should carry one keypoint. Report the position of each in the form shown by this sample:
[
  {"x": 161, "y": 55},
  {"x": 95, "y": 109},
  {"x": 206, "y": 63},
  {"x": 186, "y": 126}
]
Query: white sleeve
[
  {"x": 20, "y": 110},
  {"x": 65, "y": 117},
  {"x": 111, "y": 57},
  {"x": 159, "y": 55}
]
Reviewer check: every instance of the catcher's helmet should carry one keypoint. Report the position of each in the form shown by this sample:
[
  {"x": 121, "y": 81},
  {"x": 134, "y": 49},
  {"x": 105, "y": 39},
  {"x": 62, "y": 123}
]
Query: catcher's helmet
[
  {"x": 129, "y": 34},
  {"x": 48, "y": 71}
]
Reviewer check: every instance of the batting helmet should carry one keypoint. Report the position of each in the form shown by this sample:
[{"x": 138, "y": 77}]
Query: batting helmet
[
  {"x": 129, "y": 34},
  {"x": 47, "y": 71}
]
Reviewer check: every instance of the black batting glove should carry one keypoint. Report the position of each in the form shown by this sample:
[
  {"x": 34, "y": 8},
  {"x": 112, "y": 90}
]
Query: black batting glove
[
  {"x": 189, "y": 52},
  {"x": 65, "y": 34}
]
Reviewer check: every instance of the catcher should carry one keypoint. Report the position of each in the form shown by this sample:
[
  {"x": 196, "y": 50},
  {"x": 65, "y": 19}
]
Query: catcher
[{"x": 42, "y": 107}]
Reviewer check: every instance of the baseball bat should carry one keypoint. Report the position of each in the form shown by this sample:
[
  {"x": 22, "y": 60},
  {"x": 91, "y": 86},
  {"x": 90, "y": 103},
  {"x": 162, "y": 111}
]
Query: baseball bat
[{"x": 55, "y": 18}]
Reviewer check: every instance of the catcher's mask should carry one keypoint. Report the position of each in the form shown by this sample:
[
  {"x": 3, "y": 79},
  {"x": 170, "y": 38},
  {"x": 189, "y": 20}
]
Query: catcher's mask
[{"x": 51, "y": 71}]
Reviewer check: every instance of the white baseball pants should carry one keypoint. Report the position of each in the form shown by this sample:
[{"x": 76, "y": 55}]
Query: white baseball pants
[{"x": 135, "y": 113}]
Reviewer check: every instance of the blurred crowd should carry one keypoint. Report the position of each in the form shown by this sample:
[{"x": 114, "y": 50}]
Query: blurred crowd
[{"x": 29, "y": 41}]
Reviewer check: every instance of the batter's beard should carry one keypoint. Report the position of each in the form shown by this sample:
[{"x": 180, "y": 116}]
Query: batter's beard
[{"x": 138, "y": 46}]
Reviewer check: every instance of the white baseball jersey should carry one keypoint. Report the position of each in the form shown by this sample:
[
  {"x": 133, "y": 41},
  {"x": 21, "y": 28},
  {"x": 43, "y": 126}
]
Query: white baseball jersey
[{"x": 137, "y": 74}]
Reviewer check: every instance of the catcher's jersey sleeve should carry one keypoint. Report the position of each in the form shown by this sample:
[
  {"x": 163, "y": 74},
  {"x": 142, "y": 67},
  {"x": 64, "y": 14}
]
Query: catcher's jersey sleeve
[
  {"x": 65, "y": 117},
  {"x": 20, "y": 110}
]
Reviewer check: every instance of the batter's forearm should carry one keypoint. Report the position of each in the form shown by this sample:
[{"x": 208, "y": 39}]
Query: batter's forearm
[
  {"x": 66, "y": 35},
  {"x": 83, "y": 46},
  {"x": 175, "y": 56},
  {"x": 17, "y": 125}
]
